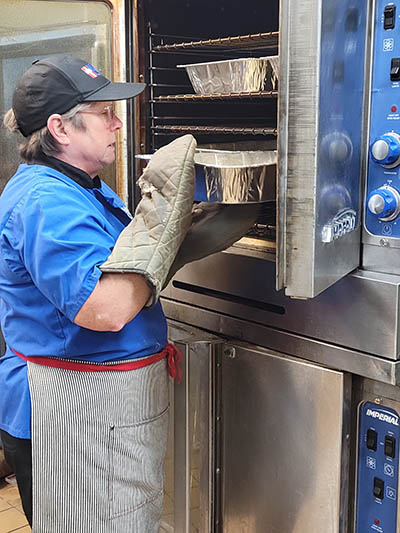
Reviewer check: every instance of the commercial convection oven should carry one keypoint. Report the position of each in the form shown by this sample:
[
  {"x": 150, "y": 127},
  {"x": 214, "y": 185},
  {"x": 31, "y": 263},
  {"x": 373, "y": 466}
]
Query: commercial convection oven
[{"x": 286, "y": 419}]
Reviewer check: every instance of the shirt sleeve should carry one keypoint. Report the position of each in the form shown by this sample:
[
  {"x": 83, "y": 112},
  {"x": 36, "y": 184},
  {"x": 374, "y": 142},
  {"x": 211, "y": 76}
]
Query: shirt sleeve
[{"x": 61, "y": 239}]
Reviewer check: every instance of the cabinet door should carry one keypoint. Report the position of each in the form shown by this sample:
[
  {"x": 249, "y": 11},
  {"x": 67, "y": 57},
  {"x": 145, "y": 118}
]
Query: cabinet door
[
  {"x": 284, "y": 446},
  {"x": 32, "y": 29},
  {"x": 321, "y": 103}
]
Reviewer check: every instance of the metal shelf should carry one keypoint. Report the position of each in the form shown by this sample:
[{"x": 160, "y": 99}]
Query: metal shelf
[
  {"x": 210, "y": 97},
  {"x": 254, "y": 41},
  {"x": 216, "y": 129},
  {"x": 161, "y": 75}
]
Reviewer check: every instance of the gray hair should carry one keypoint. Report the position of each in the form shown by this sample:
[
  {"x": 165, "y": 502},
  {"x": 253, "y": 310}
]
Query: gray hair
[{"x": 42, "y": 141}]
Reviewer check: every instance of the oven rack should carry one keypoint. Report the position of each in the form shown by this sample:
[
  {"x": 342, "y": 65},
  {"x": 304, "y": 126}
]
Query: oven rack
[
  {"x": 224, "y": 130},
  {"x": 165, "y": 87},
  {"x": 244, "y": 42},
  {"x": 265, "y": 227},
  {"x": 210, "y": 97}
]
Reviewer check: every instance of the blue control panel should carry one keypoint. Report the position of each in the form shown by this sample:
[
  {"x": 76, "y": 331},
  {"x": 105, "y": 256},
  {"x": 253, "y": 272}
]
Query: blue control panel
[
  {"x": 377, "y": 469},
  {"x": 382, "y": 210}
]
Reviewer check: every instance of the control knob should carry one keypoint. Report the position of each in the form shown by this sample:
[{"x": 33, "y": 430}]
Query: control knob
[
  {"x": 386, "y": 150},
  {"x": 384, "y": 203}
]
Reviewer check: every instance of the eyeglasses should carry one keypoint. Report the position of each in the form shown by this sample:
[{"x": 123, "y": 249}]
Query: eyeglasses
[{"x": 108, "y": 112}]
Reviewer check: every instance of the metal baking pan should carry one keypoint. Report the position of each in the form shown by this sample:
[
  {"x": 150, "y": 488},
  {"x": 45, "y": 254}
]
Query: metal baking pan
[
  {"x": 244, "y": 75},
  {"x": 233, "y": 177}
]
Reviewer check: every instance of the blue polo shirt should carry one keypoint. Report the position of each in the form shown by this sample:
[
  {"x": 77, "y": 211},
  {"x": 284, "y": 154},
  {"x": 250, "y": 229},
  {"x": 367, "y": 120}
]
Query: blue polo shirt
[{"x": 55, "y": 232}]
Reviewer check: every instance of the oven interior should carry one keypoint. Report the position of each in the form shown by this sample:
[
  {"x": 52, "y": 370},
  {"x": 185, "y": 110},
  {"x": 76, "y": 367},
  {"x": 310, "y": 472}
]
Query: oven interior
[{"x": 187, "y": 32}]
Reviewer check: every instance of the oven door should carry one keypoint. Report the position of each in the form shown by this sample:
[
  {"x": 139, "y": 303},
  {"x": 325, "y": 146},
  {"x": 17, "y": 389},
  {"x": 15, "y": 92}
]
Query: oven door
[
  {"x": 321, "y": 108},
  {"x": 91, "y": 29}
]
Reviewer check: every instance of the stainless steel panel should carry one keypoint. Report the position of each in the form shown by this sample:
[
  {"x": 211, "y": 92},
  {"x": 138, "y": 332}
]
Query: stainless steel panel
[
  {"x": 374, "y": 391},
  {"x": 336, "y": 357},
  {"x": 322, "y": 45},
  {"x": 188, "y": 501},
  {"x": 359, "y": 313},
  {"x": 380, "y": 241},
  {"x": 381, "y": 257},
  {"x": 284, "y": 425}
]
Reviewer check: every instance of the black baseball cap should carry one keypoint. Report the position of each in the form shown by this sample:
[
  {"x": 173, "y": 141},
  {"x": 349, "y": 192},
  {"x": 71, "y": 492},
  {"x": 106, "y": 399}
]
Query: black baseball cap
[{"x": 58, "y": 83}]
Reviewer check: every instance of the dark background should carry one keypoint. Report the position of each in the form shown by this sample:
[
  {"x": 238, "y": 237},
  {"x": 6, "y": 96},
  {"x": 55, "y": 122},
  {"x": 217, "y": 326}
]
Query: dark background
[{"x": 221, "y": 18}]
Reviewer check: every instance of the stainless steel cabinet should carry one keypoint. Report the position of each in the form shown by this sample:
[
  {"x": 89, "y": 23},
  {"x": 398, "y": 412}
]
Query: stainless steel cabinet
[{"x": 261, "y": 440}]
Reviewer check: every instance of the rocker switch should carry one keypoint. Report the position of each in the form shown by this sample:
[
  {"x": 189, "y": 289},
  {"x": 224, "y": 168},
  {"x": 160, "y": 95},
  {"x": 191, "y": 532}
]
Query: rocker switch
[
  {"x": 395, "y": 69},
  {"x": 389, "y": 17},
  {"x": 372, "y": 439},
  {"x": 379, "y": 488},
  {"x": 390, "y": 446}
]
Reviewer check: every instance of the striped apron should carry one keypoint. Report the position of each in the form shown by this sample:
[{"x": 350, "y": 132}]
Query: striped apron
[{"x": 99, "y": 441}]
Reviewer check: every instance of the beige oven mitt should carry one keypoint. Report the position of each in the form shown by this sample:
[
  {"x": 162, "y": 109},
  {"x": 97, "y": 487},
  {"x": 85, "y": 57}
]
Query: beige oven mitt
[
  {"x": 149, "y": 243},
  {"x": 214, "y": 228}
]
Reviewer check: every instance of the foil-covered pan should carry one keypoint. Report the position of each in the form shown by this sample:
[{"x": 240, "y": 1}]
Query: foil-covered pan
[
  {"x": 244, "y": 75},
  {"x": 233, "y": 177}
]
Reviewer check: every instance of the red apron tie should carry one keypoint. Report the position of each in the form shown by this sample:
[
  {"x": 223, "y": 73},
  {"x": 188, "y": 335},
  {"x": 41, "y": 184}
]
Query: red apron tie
[{"x": 174, "y": 358}]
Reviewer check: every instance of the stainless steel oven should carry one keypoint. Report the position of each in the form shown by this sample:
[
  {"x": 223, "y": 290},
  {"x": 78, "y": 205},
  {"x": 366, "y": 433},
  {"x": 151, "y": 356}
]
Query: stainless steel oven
[
  {"x": 288, "y": 416},
  {"x": 315, "y": 118}
]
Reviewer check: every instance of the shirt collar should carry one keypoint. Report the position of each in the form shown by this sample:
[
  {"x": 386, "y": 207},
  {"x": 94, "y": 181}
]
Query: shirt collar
[{"x": 79, "y": 176}]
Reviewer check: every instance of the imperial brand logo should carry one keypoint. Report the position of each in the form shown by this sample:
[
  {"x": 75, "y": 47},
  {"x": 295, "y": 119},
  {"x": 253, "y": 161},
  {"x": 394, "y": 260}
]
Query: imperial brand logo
[
  {"x": 90, "y": 71},
  {"x": 385, "y": 416}
]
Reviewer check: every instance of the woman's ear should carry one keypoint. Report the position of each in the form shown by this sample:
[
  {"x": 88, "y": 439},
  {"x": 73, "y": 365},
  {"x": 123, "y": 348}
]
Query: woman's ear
[{"x": 56, "y": 126}]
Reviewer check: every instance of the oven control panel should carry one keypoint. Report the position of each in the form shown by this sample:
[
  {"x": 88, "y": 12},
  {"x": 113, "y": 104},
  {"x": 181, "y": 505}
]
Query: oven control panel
[
  {"x": 382, "y": 205},
  {"x": 377, "y": 469}
]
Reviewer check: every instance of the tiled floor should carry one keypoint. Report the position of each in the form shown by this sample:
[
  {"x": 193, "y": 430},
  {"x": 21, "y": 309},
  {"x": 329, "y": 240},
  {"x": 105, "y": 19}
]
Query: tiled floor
[{"x": 12, "y": 517}]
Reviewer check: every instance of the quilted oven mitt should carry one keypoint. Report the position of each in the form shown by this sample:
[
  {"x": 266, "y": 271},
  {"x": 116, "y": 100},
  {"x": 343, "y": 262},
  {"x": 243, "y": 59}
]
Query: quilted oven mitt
[
  {"x": 214, "y": 228},
  {"x": 149, "y": 243}
]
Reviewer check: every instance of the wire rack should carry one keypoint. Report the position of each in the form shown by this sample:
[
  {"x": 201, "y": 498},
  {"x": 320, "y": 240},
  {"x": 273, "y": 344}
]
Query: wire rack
[
  {"x": 169, "y": 85},
  {"x": 227, "y": 130},
  {"x": 212, "y": 97},
  {"x": 245, "y": 42}
]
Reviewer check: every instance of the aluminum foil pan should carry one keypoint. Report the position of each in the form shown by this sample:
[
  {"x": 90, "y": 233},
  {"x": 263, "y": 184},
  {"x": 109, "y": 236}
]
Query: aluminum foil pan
[
  {"x": 244, "y": 75},
  {"x": 236, "y": 177},
  {"x": 233, "y": 177}
]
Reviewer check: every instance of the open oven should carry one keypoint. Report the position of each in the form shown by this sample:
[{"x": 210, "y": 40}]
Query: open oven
[{"x": 313, "y": 116}]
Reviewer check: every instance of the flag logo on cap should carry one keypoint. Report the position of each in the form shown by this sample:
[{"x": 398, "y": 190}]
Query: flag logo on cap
[{"x": 90, "y": 71}]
